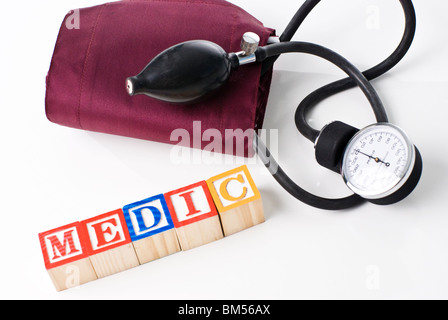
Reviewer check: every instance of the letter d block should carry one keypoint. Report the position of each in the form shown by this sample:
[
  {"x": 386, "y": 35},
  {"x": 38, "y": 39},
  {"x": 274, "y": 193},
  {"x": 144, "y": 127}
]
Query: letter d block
[
  {"x": 151, "y": 229},
  {"x": 109, "y": 246},
  {"x": 65, "y": 256},
  {"x": 194, "y": 215},
  {"x": 237, "y": 199}
]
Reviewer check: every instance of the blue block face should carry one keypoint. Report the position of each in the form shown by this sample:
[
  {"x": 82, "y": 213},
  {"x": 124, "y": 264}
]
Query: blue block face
[{"x": 147, "y": 217}]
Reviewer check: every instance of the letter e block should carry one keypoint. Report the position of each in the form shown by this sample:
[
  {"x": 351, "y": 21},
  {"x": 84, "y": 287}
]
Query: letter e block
[
  {"x": 109, "y": 246},
  {"x": 237, "y": 200},
  {"x": 151, "y": 229},
  {"x": 65, "y": 256},
  {"x": 194, "y": 215}
]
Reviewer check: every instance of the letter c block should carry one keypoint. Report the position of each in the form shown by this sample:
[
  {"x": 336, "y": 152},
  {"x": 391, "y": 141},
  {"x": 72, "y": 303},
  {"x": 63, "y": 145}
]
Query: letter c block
[{"x": 237, "y": 199}]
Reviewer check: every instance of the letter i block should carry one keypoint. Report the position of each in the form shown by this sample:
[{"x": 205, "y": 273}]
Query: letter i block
[
  {"x": 151, "y": 229},
  {"x": 65, "y": 256},
  {"x": 237, "y": 199},
  {"x": 194, "y": 215},
  {"x": 109, "y": 246}
]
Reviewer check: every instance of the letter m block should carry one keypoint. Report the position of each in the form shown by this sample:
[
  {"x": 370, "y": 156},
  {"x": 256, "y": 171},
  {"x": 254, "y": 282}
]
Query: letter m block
[{"x": 65, "y": 256}]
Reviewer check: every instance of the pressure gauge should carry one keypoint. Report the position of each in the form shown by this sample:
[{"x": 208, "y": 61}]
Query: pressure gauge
[{"x": 379, "y": 162}]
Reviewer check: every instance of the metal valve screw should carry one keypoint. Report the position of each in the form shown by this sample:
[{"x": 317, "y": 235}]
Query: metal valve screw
[{"x": 249, "y": 43}]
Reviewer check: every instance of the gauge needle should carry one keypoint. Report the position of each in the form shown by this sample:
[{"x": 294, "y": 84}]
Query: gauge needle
[{"x": 376, "y": 159}]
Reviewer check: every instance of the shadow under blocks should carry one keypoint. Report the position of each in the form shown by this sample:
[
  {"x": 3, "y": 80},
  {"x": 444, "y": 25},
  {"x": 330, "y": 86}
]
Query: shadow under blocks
[{"x": 151, "y": 229}]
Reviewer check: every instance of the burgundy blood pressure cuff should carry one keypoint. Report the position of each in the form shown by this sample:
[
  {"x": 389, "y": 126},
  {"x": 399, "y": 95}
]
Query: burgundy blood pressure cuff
[{"x": 108, "y": 43}]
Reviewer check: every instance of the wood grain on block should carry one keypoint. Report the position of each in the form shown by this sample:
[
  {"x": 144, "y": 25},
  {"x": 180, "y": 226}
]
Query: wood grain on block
[
  {"x": 151, "y": 228},
  {"x": 65, "y": 255},
  {"x": 198, "y": 233},
  {"x": 109, "y": 246},
  {"x": 237, "y": 200},
  {"x": 114, "y": 260},
  {"x": 72, "y": 274},
  {"x": 242, "y": 217},
  {"x": 194, "y": 215},
  {"x": 157, "y": 246}
]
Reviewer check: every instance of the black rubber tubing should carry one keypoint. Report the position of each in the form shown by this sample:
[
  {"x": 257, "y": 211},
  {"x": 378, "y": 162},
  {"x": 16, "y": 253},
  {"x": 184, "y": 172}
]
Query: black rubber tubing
[
  {"x": 336, "y": 87},
  {"x": 358, "y": 78},
  {"x": 323, "y": 93},
  {"x": 291, "y": 29},
  {"x": 354, "y": 74},
  {"x": 293, "y": 189},
  {"x": 344, "y": 84}
]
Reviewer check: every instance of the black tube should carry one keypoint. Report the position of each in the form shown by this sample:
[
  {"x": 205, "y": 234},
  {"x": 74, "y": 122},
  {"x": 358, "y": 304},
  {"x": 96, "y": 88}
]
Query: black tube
[
  {"x": 291, "y": 29},
  {"x": 270, "y": 56},
  {"x": 336, "y": 87},
  {"x": 290, "y": 186},
  {"x": 357, "y": 77}
]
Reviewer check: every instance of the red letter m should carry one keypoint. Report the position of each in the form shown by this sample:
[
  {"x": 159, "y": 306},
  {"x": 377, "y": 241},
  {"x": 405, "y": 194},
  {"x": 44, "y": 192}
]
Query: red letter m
[{"x": 61, "y": 248}]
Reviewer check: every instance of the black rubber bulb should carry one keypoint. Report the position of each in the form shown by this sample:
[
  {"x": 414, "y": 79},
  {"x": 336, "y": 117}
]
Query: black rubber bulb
[{"x": 184, "y": 73}]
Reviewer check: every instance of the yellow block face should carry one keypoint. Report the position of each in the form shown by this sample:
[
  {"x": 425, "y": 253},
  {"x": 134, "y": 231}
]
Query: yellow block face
[
  {"x": 232, "y": 189},
  {"x": 237, "y": 200}
]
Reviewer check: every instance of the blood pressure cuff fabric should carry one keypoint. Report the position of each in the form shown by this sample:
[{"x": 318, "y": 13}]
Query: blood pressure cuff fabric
[{"x": 99, "y": 47}]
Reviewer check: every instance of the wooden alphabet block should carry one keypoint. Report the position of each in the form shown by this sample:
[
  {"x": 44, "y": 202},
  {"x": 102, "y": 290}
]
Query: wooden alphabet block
[
  {"x": 237, "y": 200},
  {"x": 194, "y": 215},
  {"x": 65, "y": 256},
  {"x": 151, "y": 229},
  {"x": 109, "y": 246}
]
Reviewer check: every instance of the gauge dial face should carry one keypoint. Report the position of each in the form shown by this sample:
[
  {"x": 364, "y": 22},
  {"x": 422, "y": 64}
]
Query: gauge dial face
[{"x": 378, "y": 160}]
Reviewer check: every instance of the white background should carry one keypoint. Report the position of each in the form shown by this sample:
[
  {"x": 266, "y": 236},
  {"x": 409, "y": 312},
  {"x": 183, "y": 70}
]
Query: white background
[{"x": 52, "y": 175}]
